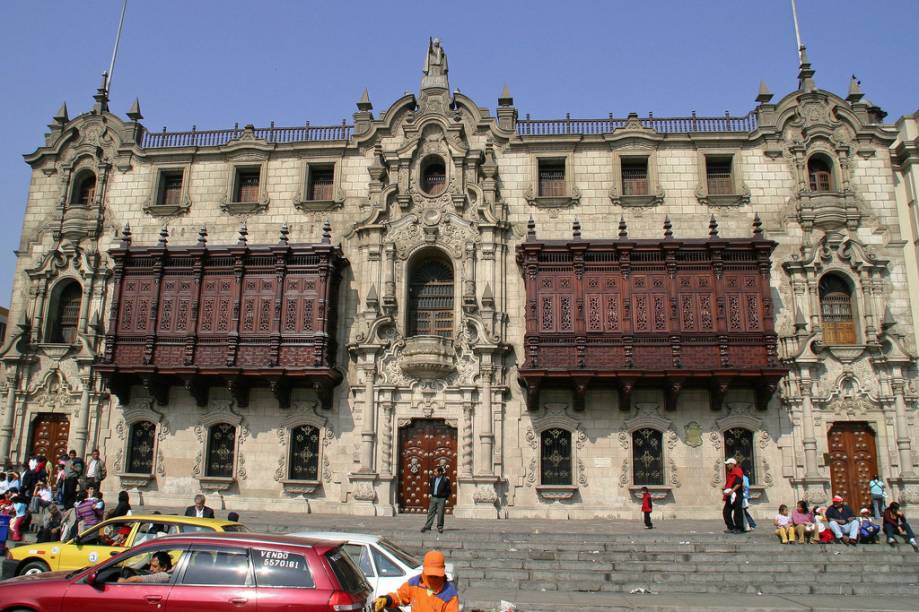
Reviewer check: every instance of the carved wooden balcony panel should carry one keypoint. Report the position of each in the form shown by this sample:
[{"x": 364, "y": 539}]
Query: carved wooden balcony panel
[
  {"x": 668, "y": 313},
  {"x": 235, "y": 316}
]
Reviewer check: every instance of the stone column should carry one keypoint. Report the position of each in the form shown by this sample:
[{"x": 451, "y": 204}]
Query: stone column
[
  {"x": 466, "y": 453},
  {"x": 864, "y": 281},
  {"x": 82, "y": 430},
  {"x": 904, "y": 448},
  {"x": 389, "y": 275},
  {"x": 387, "y": 409},
  {"x": 6, "y": 430},
  {"x": 486, "y": 435},
  {"x": 807, "y": 424},
  {"x": 813, "y": 293},
  {"x": 84, "y": 306},
  {"x": 368, "y": 426}
]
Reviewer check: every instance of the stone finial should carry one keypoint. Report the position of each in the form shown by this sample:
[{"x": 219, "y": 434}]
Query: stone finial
[
  {"x": 855, "y": 91},
  {"x": 284, "y": 238},
  {"x": 372, "y": 298},
  {"x": 888, "y": 321},
  {"x": 505, "y": 99},
  {"x": 126, "y": 236},
  {"x": 757, "y": 226},
  {"x": 364, "y": 103},
  {"x": 531, "y": 229},
  {"x": 101, "y": 97},
  {"x": 61, "y": 117},
  {"x": 712, "y": 228},
  {"x": 202, "y": 236},
  {"x": 800, "y": 321},
  {"x": 243, "y": 233},
  {"x": 326, "y": 232},
  {"x": 488, "y": 296},
  {"x": 668, "y": 228},
  {"x": 764, "y": 95},
  {"x": 164, "y": 237},
  {"x": 576, "y": 229},
  {"x": 805, "y": 72},
  {"x": 134, "y": 111},
  {"x": 623, "y": 228}
]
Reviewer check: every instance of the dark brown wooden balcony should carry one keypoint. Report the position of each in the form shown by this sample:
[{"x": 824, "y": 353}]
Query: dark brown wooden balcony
[
  {"x": 667, "y": 313},
  {"x": 236, "y": 316}
]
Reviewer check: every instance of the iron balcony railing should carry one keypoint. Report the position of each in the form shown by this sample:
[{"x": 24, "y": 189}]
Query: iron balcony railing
[
  {"x": 664, "y": 125},
  {"x": 214, "y": 138}
]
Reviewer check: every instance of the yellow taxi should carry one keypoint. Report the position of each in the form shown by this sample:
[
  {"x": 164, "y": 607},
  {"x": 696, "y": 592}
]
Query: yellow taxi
[{"x": 104, "y": 540}]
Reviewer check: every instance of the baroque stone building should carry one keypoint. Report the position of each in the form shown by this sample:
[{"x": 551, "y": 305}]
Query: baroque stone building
[{"x": 558, "y": 311}]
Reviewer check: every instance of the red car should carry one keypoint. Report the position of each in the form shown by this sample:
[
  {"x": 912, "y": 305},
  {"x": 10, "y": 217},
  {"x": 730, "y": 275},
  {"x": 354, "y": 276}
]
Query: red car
[{"x": 204, "y": 571}]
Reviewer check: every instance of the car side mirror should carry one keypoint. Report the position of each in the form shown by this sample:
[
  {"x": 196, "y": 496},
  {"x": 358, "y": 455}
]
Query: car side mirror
[{"x": 92, "y": 579}]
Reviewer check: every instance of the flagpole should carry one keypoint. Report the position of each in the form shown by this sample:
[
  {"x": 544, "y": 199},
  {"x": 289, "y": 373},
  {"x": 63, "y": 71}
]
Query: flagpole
[
  {"x": 794, "y": 15},
  {"x": 111, "y": 70}
]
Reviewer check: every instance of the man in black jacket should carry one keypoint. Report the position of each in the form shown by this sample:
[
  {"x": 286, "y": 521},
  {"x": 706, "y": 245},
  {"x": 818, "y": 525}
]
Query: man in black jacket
[
  {"x": 199, "y": 509},
  {"x": 439, "y": 489}
]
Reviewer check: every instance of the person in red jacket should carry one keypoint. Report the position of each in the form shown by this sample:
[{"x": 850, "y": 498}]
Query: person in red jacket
[
  {"x": 733, "y": 497},
  {"x": 429, "y": 592},
  {"x": 646, "y": 507}
]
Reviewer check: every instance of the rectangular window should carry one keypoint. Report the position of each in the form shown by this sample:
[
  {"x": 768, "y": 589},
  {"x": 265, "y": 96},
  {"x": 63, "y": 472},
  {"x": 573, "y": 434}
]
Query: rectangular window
[
  {"x": 247, "y": 184},
  {"x": 718, "y": 175},
  {"x": 170, "y": 188},
  {"x": 277, "y": 568},
  {"x": 218, "y": 567},
  {"x": 634, "y": 176},
  {"x": 321, "y": 179},
  {"x": 552, "y": 178}
]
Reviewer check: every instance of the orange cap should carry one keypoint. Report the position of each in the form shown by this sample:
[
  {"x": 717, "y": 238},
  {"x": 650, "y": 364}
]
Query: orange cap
[{"x": 434, "y": 564}]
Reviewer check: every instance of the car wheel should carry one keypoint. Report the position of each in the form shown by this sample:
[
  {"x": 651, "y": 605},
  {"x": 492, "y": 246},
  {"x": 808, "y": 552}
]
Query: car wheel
[{"x": 33, "y": 567}]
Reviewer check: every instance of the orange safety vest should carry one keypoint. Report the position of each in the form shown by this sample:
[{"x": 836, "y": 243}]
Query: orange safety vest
[{"x": 415, "y": 593}]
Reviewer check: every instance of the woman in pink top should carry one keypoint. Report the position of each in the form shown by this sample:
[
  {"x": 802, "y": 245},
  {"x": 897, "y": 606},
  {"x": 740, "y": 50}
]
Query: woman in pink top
[{"x": 803, "y": 522}]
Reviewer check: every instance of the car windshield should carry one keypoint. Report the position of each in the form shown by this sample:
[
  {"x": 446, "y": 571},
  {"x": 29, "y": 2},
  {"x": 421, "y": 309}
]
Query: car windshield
[{"x": 403, "y": 557}]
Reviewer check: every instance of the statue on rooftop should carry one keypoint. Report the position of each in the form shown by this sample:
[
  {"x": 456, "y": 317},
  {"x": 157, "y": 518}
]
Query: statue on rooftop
[{"x": 435, "y": 66}]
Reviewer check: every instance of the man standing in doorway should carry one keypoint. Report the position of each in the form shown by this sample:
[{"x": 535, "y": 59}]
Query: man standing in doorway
[
  {"x": 439, "y": 490},
  {"x": 733, "y": 497},
  {"x": 73, "y": 471},
  {"x": 95, "y": 470}
]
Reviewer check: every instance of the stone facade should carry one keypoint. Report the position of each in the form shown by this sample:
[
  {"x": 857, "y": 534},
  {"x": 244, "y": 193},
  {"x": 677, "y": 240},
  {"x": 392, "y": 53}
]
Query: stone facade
[{"x": 389, "y": 221}]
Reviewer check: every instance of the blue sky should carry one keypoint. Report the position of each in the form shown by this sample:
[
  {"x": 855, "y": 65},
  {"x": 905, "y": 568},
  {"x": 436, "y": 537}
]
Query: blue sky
[{"x": 212, "y": 63}]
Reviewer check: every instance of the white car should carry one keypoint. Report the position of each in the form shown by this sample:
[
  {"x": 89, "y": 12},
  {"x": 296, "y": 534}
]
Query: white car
[{"x": 385, "y": 565}]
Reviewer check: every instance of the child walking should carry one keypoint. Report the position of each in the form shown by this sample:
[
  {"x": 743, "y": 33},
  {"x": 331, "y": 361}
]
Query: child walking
[
  {"x": 646, "y": 507},
  {"x": 783, "y": 527}
]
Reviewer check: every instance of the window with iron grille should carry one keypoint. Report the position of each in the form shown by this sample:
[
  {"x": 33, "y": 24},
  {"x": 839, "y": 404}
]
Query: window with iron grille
[
  {"x": 85, "y": 191},
  {"x": 819, "y": 174},
  {"x": 552, "y": 178},
  {"x": 247, "y": 184},
  {"x": 555, "y": 457},
  {"x": 738, "y": 443},
  {"x": 647, "y": 457},
  {"x": 66, "y": 314},
  {"x": 836, "y": 312},
  {"x": 718, "y": 175},
  {"x": 140, "y": 448},
  {"x": 170, "y": 191},
  {"x": 321, "y": 179},
  {"x": 430, "y": 296},
  {"x": 433, "y": 175},
  {"x": 634, "y": 176},
  {"x": 304, "y": 453},
  {"x": 221, "y": 450}
]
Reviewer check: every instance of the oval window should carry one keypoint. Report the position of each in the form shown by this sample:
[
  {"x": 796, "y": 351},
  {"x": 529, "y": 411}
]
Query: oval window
[{"x": 433, "y": 175}]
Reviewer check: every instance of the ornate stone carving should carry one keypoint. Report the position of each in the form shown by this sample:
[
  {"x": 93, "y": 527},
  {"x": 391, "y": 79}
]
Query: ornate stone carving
[
  {"x": 484, "y": 494},
  {"x": 363, "y": 491},
  {"x": 693, "y": 434}
]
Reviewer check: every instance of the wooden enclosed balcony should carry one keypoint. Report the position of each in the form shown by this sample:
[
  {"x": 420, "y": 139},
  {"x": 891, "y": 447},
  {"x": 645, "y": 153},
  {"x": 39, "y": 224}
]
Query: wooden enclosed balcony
[
  {"x": 233, "y": 316},
  {"x": 668, "y": 313}
]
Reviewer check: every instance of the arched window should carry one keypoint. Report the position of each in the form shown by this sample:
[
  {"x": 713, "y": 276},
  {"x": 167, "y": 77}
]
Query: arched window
[
  {"x": 65, "y": 313},
  {"x": 221, "y": 450},
  {"x": 304, "y": 453},
  {"x": 820, "y": 174},
  {"x": 836, "y": 311},
  {"x": 555, "y": 457},
  {"x": 430, "y": 299},
  {"x": 738, "y": 443},
  {"x": 85, "y": 190},
  {"x": 647, "y": 457},
  {"x": 140, "y": 448},
  {"x": 433, "y": 175}
]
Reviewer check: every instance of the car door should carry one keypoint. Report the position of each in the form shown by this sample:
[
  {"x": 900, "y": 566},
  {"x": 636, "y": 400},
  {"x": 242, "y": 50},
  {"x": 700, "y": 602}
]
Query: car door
[
  {"x": 214, "y": 578},
  {"x": 95, "y": 544},
  {"x": 391, "y": 574},
  {"x": 360, "y": 554},
  {"x": 108, "y": 595}
]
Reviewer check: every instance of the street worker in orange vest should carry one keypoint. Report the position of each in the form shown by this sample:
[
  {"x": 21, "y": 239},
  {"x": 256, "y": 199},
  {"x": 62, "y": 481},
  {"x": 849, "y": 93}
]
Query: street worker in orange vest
[{"x": 429, "y": 592}]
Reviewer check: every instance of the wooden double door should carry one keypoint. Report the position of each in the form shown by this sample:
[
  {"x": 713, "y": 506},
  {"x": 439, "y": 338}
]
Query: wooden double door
[
  {"x": 424, "y": 444},
  {"x": 49, "y": 436},
  {"x": 853, "y": 462}
]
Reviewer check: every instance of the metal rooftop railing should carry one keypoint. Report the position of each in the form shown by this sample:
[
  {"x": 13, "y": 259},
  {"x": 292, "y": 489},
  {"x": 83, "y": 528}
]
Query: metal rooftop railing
[
  {"x": 214, "y": 138},
  {"x": 664, "y": 125}
]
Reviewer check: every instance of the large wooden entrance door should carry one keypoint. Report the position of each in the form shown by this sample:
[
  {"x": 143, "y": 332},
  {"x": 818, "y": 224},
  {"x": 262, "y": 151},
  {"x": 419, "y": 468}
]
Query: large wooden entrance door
[
  {"x": 423, "y": 445},
  {"x": 49, "y": 436},
  {"x": 853, "y": 462}
]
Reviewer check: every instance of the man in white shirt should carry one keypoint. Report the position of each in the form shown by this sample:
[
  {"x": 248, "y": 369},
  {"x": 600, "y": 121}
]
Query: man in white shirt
[
  {"x": 41, "y": 498},
  {"x": 199, "y": 510},
  {"x": 95, "y": 470}
]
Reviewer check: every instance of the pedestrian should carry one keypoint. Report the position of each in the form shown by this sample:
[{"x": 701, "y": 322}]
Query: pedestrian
[
  {"x": 50, "y": 528},
  {"x": 646, "y": 507},
  {"x": 842, "y": 521},
  {"x": 12, "y": 481},
  {"x": 233, "y": 516},
  {"x": 20, "y": 512},
  {"x": 69, "y": 522},
  {"x": 199, "y": 509},
  {"x": 895, "y": 525},
  {"x": 732, "y": 512},
  {"x": 73, "y": 471},
  {"x": 784, "y": 528},
  {"x": 439, "y": 490},
  {"x": 429, "y": 592},
  {"x": 4, "y": 485},
  {"x": 41, "y": 497},
  {"x": 95, "y": 470},
  {"x": 804, "y": 525},
  {"x": 59, "y": 484},
  {"x": 123, "y": 508},
  {"x": 87, "y": 511},
  {"x": 878, "y": 496},
  {"x": 749, "y": 524},
  {"x": 867, "y": 529}
]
